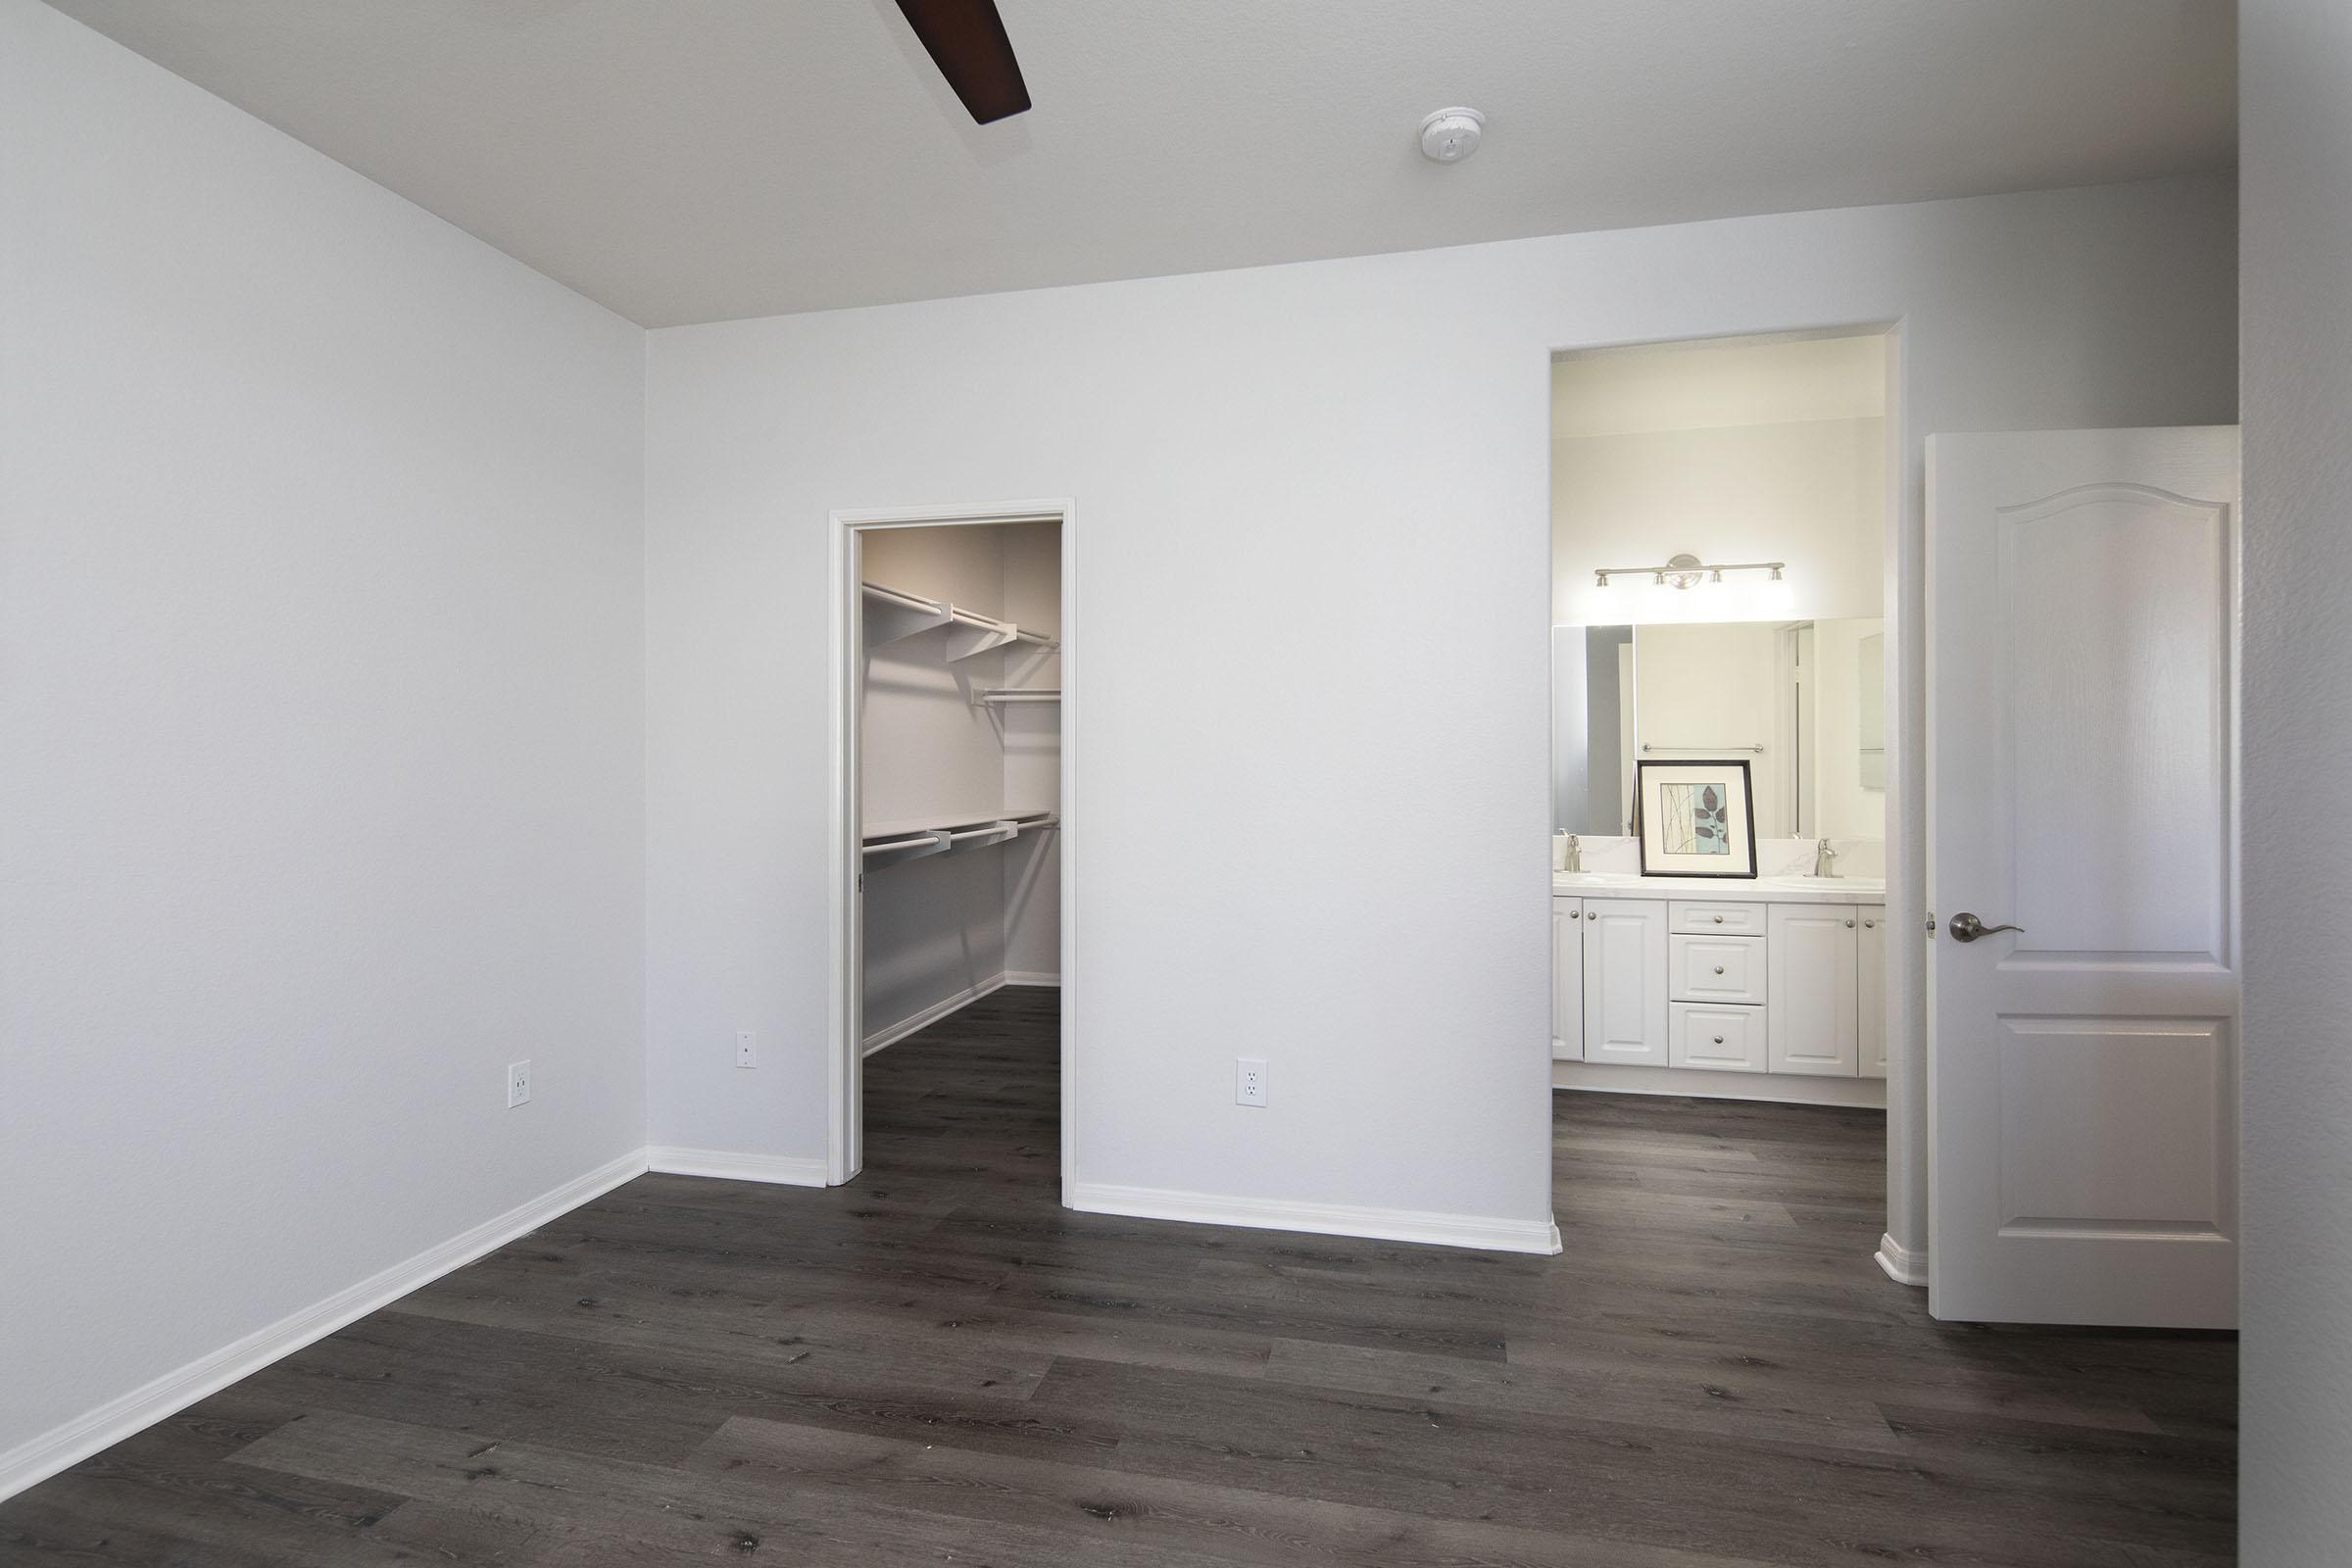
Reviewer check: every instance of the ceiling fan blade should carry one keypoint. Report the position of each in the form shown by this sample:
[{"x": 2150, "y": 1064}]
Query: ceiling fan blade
[{"x": 967, "y": 42}]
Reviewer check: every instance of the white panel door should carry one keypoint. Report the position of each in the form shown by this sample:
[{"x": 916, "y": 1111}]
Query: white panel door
[
  {"x": 1567, "y": 979},
  {"x": 1811, "y": 1024},
  {"x": 2082, "y": 766},
  {"x": 1870, "y": 990},
  {"x": 1625, "y": 981}
]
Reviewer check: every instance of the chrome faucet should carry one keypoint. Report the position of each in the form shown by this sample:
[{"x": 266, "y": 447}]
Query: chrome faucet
[
  {"x": 1825, "y": 859},
  {"x": 1575, "y": 856}
]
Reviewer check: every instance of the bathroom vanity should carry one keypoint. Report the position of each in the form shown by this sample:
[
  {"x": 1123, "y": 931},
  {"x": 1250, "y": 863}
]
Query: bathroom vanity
[
  {"x": 1763, "y": 987},
  {"x": 1676, "y": 985}
]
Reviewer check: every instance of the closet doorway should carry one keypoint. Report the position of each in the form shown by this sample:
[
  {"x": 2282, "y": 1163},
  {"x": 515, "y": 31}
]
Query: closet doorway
[{"x": 953, "y": 651}]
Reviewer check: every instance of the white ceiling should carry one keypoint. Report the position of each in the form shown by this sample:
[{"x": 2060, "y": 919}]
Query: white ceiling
[
  {"x": 1781, "y": 378},
  {"x": 730, "y": 157}
]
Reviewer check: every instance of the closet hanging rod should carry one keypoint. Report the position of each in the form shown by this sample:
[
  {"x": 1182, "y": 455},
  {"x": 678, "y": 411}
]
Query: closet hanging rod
[
  {"x": 906, "y": 600},
  {"x": 901, "y": 841},
  {"x": 1758, "y": 750},
  {"x": 1020, "y": 695}
]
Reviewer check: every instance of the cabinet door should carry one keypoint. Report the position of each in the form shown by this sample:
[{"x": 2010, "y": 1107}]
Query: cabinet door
[
  {"x": 1567, "y": 979},
  {"x": 1811, "y": 1026},
  {"x": 1625, "y": 981},
  {"x": 1870, "y": 989}
]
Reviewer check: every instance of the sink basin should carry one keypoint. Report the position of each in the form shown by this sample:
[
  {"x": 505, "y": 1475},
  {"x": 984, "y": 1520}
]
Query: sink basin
[{"x": 1861, "y": 886}]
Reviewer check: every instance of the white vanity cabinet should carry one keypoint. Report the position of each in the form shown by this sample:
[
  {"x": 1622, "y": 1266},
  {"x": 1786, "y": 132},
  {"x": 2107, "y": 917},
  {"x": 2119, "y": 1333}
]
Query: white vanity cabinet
[
  {"x": 1567, "y": 979},
  {"x": 1816, "y": 1008},
  {"x": 1773, "y": 981},
  {"x": 1625, "y": 981},
  {"x": 1870, "y": 990}
]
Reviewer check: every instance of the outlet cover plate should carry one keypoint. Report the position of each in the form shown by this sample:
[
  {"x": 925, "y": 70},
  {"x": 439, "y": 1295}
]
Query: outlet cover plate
[
  {"x": 1250, "y": 1081},
  {"x": 747, "y": 1049},
  {"x": 518, "y": 1084}
]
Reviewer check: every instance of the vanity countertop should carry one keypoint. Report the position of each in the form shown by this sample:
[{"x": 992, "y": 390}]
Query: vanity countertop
[{"x": 1727, "y": 890}]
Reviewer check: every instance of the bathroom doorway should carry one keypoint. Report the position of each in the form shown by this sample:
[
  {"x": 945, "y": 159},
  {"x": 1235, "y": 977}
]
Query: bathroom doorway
[{"x": 1723, "y": 518}]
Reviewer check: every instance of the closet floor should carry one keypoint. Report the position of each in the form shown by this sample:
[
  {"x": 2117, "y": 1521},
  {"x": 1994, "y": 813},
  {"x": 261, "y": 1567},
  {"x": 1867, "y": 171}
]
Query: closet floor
[{"x": 939, "y": 1366}]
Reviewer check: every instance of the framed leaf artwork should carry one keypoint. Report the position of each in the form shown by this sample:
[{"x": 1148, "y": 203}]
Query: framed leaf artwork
[{"x": 1697, "y": 818}]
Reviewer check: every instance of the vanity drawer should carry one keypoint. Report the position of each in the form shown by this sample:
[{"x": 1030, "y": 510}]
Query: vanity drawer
[
  {"x": 1715, "y": 919},
  {"x": 1715, "y": 969},
  {"x": 1718, "y": 1037}
]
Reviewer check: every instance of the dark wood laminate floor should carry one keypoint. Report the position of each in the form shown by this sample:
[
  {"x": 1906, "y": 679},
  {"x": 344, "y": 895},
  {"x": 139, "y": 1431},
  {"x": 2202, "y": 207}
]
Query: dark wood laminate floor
[{"x": 939, "y": 1366}]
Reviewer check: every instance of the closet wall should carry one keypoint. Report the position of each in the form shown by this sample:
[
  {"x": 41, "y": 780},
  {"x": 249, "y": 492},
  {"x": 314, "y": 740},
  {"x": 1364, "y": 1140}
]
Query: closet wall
[{"x": 945, "y": 928}]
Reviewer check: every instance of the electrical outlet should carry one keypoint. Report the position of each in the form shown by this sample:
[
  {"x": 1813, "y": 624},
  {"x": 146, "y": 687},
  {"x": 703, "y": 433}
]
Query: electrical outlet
[
  {"x": 1250, "y": 1081},
  {"x": 518, "y": 1084},
  {"x": 747, "y": 1049}
]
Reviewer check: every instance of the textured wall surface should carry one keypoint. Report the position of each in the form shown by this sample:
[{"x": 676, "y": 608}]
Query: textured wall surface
[
  {"x": 1311, "y": 720},
  {"x": 2297, "y": 1275},
  {"x": 322, "y": 715}
]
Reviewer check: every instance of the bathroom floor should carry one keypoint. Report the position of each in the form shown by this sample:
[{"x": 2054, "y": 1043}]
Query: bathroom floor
[{"x": 938, "y": 1364}]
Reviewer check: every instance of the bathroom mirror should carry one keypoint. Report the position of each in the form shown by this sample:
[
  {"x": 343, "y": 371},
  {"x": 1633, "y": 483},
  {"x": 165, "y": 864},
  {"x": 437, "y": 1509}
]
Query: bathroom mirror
[
  {"x": 1802, "y": 701},
  {"x": 1592, "y": 729},
  {"x": 1869, "y": 704}
]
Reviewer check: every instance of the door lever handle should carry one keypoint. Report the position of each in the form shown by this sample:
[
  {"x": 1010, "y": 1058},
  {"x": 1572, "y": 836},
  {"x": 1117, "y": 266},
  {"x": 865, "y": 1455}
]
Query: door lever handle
[{"x": 1966, "y": 927}]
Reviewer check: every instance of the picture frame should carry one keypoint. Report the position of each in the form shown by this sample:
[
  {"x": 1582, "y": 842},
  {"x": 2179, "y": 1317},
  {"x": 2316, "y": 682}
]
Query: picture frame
[{"x": 1697, "y": 818}]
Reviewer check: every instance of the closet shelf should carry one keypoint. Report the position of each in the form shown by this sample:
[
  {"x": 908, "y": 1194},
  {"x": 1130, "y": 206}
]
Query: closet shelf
[
  {"x": 890, "y": 616},
  {"x": 893, "y": 843}
]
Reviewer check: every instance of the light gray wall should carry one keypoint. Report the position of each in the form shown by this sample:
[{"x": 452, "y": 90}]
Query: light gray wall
[
  {"x": 1313, "y": 719},
  {"x": 321, "y": 728},
  {"x": 2296, "y": 70}
]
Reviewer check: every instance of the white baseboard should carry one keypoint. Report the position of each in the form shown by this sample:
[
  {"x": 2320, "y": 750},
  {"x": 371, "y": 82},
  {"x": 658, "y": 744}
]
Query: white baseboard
[
  {"x": 1905, "y": 1265},
  {"x": 1025, "y": 977},
  {"x": 1696, "y": 1083},
  {"x": 787, "y": 1170},
  {"x": 39, "y": 1458},
  {"x": 892, "y": 1034},
  {"x": 1321, "y": 1220}
]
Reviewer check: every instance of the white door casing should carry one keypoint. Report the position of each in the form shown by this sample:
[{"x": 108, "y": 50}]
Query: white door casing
[
  {"x": 2081, "y": 784},
  {"x": 845, "y": 1130}
]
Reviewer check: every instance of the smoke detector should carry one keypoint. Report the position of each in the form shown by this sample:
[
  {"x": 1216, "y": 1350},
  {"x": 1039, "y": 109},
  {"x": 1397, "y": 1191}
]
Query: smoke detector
[{"x": 1452, "y": 134}]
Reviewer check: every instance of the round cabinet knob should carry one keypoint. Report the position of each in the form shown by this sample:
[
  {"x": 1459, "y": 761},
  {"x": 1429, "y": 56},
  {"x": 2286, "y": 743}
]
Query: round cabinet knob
[
  {"x": 1719, "y": 919},
  {"x": 1869, "y": 925},
  {"x": 1718, "y": 969},
  {"x": 1849, "y": 925},
  {"x": 1576, "y": 914},
  {"x": 1719, "y": 1040}
]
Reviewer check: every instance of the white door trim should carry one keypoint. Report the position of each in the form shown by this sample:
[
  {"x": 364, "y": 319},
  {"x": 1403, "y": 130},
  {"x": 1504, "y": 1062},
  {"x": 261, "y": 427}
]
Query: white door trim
[{"x": 844, "y": 1013}]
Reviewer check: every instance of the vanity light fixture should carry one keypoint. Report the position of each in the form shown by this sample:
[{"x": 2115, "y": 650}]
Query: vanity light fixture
[{"x": 1686, "y": 571}]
